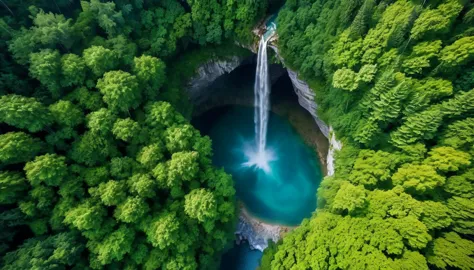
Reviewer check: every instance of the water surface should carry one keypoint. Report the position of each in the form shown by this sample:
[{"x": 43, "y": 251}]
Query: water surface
[
  {"x": 287, "y": 192},
  {"x": 241, "y": 257}
]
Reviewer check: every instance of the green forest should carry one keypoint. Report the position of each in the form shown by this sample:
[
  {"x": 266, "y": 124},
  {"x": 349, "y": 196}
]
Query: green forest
[
  {"x": 97, "y": 168},
  {"x": 100, "y": 167},
  {"x": 395, "y": 80}
]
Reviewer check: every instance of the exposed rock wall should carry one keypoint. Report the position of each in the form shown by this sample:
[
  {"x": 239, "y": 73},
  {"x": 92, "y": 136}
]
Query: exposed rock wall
[
  {"x": 306, "y": 100},
  {"x": 208, "y": 73}
]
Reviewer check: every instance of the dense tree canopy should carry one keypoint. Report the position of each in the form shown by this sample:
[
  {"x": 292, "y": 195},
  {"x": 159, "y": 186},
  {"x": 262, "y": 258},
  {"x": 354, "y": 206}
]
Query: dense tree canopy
[
  {"x": 97, "y": 169},
  {"x": 394, "y": 80}
]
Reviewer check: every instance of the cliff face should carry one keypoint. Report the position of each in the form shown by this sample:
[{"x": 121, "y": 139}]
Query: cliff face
[
  {"x": 208, "y": 73},
  {"x": 306, "y": 100}
]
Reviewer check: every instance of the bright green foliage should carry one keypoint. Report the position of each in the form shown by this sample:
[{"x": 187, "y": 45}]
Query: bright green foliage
[
  {"x": 162, "y": 114},
  {"x": 421, "y": 56},
  {"x": 414, "y": 231},
  {"x": 112, "y": 192},
  {"x": 183, "y": 166},
  {"x": 120, "y": 90},
  {"x": 423, "y": 125},
  {"x": 91, "y": 149},
  {"x": 142, "y": 185},
  {"x": 393, "y": 203},
  {"x": 435, "y": 215},
  {"x": 345, "y": 79},
  {"x": 425, "y": 92},
  {"x": 114, "y": 246},
  {"x": 99, "y": 59},
  {"x": 462, "y": 103},
  {"x": 406, "y": 133},
  {"x": 418, "y": 178},
  {"x": 49, "y": 169},
  {"x": 372, "y": 167},
  {"x": 131, "y": 210},
  {"x": 349, "y": 198},
  {"x": 151, "y": 71},
  {"x": 436, "y": 21},
  {"x": 101, "y": 121},
  {"x": 73, "y": 70},
  {"x": 149, "y": 156},
  {"x": 450, "y": 250},
  {"x": 179, "y": 138},
  {"x": 458, "y": 53},
  {"x": 461, "y": 185},
  {"x": 459, "y": 134},
  {"x": 45, "y": 66},
  {"x": 200, "y": 204},
  {"x": 125, "y": 129},
  {"x": 327, "y": 243},
  {"x": 389, "y": 31},
  {"x": 366, "y": 73},
  {"x": 388, "y": 106},
  {"x": 86, "y": 216},
  {"x": 23, "y": 112},
  {"x": 66, "y": 114},
  {"x": 13, "y": 187},
  {"x": 448, "y": 159},
  {"x": 162, "y": 231},
  {"x": 18, "y": 147},
  {"x": 160, "y": 172},
  {"x": 462, "y": 213},
  {"x": 348, "y": 52}
]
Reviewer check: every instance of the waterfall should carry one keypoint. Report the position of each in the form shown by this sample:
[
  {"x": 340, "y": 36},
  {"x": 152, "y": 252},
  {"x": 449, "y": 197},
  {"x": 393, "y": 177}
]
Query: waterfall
[
  {"x": 262, "y": 97},
  {"x": 259, "y": 155}
]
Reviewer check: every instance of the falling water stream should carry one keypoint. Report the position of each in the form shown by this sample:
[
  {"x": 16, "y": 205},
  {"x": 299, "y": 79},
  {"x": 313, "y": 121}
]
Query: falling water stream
[
  {"x": 262, "y": 96},
  {"x": 260, "y": 156}
]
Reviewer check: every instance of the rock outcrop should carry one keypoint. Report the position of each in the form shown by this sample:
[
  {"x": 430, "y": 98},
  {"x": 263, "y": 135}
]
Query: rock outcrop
[
  {"x": 255, "y": 232},
  {"x": 208, "y": 73},
  {"x": 306, "y": 100}
]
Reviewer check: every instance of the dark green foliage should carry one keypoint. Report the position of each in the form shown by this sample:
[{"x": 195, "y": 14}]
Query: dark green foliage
[
  {"x": 45, "y": 66},
  {"x": 56, "y": 251},
  {"x": 24, "y": 113},
  {"x": 13, "y": 186},
  {"x": 18, "y": 147}
]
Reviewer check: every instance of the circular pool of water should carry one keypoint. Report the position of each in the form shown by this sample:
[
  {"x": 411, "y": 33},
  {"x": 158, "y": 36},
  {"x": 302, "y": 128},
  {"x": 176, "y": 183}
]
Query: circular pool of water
[{"x": 285, "y": 192}]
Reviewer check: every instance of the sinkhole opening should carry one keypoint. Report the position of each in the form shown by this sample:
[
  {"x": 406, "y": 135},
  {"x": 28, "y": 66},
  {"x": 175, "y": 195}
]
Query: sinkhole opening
[{"x": 277, "y": 185}]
